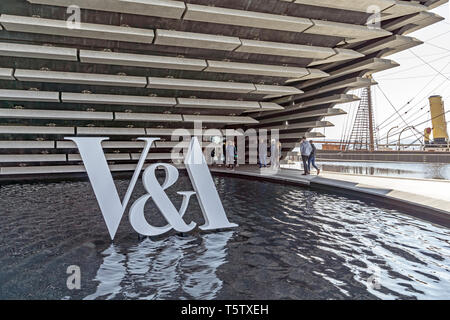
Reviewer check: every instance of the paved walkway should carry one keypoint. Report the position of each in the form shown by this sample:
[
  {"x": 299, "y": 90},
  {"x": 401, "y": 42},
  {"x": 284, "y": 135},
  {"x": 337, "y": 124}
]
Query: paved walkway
[{"x": 430, "y": 197}]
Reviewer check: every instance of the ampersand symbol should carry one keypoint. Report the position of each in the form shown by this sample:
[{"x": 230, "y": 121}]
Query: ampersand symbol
[{"x": 162, "y": 201}]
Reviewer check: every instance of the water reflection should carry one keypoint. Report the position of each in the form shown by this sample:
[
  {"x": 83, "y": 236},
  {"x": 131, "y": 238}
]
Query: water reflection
[
  {"x": 393, "y": 169},
  {"x": 110, "y": 274},
  {"x": 176, "y": 266}
]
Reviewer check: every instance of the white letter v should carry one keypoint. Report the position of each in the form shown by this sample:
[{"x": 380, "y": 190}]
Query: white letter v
[{"x": 102, "y": 182}]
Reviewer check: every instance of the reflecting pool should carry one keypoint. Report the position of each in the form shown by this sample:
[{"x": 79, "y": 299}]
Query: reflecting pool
[
  {"x": 439, "y": 171},
  {"x": 291, "y": 243}
]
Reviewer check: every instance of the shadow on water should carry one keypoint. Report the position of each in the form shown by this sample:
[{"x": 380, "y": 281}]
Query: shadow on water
[{"x": 291, "y": 243}]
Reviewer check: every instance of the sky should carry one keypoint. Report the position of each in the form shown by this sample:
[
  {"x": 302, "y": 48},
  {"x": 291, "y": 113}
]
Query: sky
[{"x": 407, "y": 86}]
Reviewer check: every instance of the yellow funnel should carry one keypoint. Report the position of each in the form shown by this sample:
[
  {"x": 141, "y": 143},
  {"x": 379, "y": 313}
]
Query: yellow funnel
[{"x": 440, "y": 134}]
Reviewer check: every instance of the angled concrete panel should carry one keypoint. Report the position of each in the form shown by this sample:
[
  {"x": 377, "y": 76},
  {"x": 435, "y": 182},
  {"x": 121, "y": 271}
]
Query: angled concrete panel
[
  {"x": 340, "y": 55},
  {"x": 276, "y": 90},
  {"x": 245, "y": 18},
  {"x": 346, "y": 31},
  {"x": 360, "y": 5},
  {"x": 256, "y": 69}
]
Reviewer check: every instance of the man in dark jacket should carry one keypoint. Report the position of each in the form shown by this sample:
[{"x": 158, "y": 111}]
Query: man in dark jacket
[{"x": 305, "y": 151}]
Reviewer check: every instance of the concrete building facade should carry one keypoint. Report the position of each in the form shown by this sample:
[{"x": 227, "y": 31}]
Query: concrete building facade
[{"x": 130, "y": 68}]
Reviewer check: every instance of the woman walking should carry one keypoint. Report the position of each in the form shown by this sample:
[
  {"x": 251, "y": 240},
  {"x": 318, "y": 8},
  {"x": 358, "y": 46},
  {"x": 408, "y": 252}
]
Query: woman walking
[{"x": 312, "y": 158}]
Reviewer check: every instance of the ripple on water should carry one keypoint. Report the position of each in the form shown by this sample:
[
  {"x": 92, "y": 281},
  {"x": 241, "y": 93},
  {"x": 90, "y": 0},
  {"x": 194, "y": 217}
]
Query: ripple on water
[{"x": 292, "y": 243}]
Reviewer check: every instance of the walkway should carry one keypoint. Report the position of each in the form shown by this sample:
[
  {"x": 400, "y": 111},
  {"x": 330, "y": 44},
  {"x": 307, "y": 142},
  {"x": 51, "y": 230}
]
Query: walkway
[{"x": 424, "y": 198}]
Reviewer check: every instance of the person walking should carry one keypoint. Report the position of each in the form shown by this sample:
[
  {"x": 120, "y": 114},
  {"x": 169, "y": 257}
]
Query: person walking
[
  {"x": 305, "y": 151},
  {"x": 275, "y": 153},
  {"x": 217, "y": 151},
  {"x": 230, "y": 154},
  {"x": 262, "y": 151},
  {"x": 312, "y": 158}
]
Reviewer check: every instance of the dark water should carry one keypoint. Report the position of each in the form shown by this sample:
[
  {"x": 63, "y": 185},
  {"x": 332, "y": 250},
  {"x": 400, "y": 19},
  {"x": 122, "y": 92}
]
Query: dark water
[{"x": 291, "y": 243}]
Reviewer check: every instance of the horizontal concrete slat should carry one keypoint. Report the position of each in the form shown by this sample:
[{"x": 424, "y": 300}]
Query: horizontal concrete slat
[
  {"x": 126, "y": 144},
  {"x": 62, "y": 169},
  {"x": 141, "y": 60},
  {"x": 37, "y": 51},
  {"x": 6, "y": 74},
  {"x": 159, "y": 8},
  {"x": 79, "y": 78},
  {"x": 113, "y": 99},
  {"x": 109, "y": 156},
  {"x": 84, "y": 30},
  {"x": 157, "y": 117},
  {"x": 29, "y": 95},
  {"x": 219, "y": 119},
  {"x": 216, "y": 104},
  {"x": 285, "y": 49},
  {"x": 199, "y": 85},
  {"x": 54, "y": 114},
  {"x": 189, "y": 132},
  {"x": 158, "y": 156},
  {"x": 36, "y": 130},
  {"x": 105, "y": 144},
  {"x": 110, "y": 131},
  {"x": 32, "y": 157},
  {"x": 173, "y": 144},
  {"x": 303, "y": 125},
  {"x": 327, "y": 112},
  {"x": 196, "y": 40},
  {"x": 30, "y": 144},
  {"x": 42, "y": 169}
]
